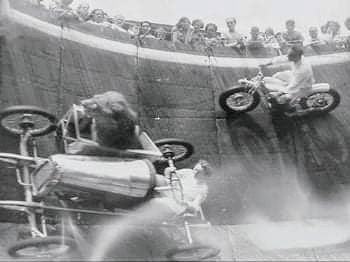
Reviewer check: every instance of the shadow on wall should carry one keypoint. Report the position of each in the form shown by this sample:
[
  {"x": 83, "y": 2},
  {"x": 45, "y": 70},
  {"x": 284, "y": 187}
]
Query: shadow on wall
[
  {"x": 297, "y": 170},
  {"x": 324, "y": 144}
]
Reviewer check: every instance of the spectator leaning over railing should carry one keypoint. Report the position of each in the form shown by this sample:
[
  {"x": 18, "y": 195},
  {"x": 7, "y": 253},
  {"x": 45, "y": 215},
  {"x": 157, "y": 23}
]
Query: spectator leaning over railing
[
  {"x": 323, "y": 29},
  {"x": 145, "y": 30},
  {"x": 269, "y": 38},
  {"x": 182, "y": 32},
  {"x": 161, "y": 34},
  {"x": 118, "y": 21},
  {"x": 333, "y": 36},
  {"x": 212, "y": 37},
  {"x": 291, "y": 36},
  {"x": 256, "y": 39},
  {"x": 197, "y": 39},
  {"x": 314, "y": 39},
  {"x": 98, "y": 16},
  {"x": 281, "y": 42},
  {"x": 83, "y": 12},
  {"x": 333, "y": 30},
  {"x": 60, "y": 4},
  {"x": 271, "y": 42},
  {"x": 61, "y": 9},
  {"x": 134, "y": 30}
]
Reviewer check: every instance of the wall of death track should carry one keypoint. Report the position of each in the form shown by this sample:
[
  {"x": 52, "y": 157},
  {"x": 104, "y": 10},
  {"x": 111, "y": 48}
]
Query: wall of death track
[{"x": 263, "y": 164}]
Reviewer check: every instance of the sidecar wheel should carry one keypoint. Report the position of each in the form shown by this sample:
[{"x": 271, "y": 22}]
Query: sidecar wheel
[
  {"x": 15, "y": 119},
  {"x": 181, "y": 148},
  {"x": 192, "y": 252},
  {"x": 42, "y": 247},
  {"x": 238, "y": 100},
  {"x": 322, "y": 102}
]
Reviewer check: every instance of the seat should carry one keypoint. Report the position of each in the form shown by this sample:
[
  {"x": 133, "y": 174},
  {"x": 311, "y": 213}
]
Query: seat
[{"x": 321, "y": 86}]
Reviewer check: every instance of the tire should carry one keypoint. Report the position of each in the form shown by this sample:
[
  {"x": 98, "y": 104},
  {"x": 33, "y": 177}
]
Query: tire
[
  {"x": 34, "y": 110},
  {"x": 192, "y": 252},
  {"x": 227, "y": 95},
  {"x": 41, "y": 242},
  {"x": 173, "y": 143},
  {"x": 332, "y": 92}
]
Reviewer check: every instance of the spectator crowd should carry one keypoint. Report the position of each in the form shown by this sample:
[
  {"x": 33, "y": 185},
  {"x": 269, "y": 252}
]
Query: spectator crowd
[{"x": 201, "y": 36}]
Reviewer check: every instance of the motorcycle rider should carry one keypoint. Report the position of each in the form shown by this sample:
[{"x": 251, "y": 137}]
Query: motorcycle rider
[{"x": 292, "y": 83}]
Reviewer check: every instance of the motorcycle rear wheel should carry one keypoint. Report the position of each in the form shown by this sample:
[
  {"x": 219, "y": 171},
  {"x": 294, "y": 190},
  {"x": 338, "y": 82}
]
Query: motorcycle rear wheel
[
  {"x": 322, "y": 102},
  {"x": 238, "y": 100}
]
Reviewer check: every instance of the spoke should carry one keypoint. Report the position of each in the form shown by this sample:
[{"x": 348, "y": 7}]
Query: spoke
[
  {"x": 177, "y": 149},
  {"x": 320, "y": 101},
  {"x": 240, "y": 101},
  {"x": 12, "y": 122}
]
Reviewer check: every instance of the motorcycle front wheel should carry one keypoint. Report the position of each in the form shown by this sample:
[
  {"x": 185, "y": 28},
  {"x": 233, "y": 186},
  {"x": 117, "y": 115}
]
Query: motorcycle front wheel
[
  {"x": 322, "y": 102},
  {"x": 238, "y": 100}
]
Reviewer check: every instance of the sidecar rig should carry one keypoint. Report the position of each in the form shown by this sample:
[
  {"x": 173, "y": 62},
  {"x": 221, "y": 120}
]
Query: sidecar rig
[{"x": 69, "y": 184}]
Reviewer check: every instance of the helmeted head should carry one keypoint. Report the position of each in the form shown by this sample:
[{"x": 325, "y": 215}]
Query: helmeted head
[{"x": 295, "y": 53}]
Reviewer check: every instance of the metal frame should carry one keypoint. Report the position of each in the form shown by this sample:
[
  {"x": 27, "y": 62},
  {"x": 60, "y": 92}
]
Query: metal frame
[{"x": 24, "y": 162}]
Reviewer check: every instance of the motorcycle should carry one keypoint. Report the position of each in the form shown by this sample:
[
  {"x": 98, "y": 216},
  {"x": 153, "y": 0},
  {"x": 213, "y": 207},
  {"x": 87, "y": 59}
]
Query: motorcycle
[
  {"x": 83, "y": 186},
  {"x": 248, "y": 94}
]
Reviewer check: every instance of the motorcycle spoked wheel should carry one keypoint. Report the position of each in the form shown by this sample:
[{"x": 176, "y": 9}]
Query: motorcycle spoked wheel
[
  {"x": 192, "y": 252},
  {"x": 14, "y": 119},
  {"x": 42, "y": 247},
  {"x": 322, "y": 102},
  {"x": 181, "y": 148},
  {"x": 238, "y": 100}
]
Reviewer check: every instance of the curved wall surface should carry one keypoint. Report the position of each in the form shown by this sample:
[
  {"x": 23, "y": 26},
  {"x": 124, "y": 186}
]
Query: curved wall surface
[{"x": 262, "y": 164}]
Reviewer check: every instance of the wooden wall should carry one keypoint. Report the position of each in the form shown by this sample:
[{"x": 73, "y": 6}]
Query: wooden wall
[{"x": 263, "y": 165}]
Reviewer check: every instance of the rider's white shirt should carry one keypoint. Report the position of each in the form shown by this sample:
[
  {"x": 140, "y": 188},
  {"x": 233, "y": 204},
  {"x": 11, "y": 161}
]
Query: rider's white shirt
[{"x": 301, "y": 77}]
